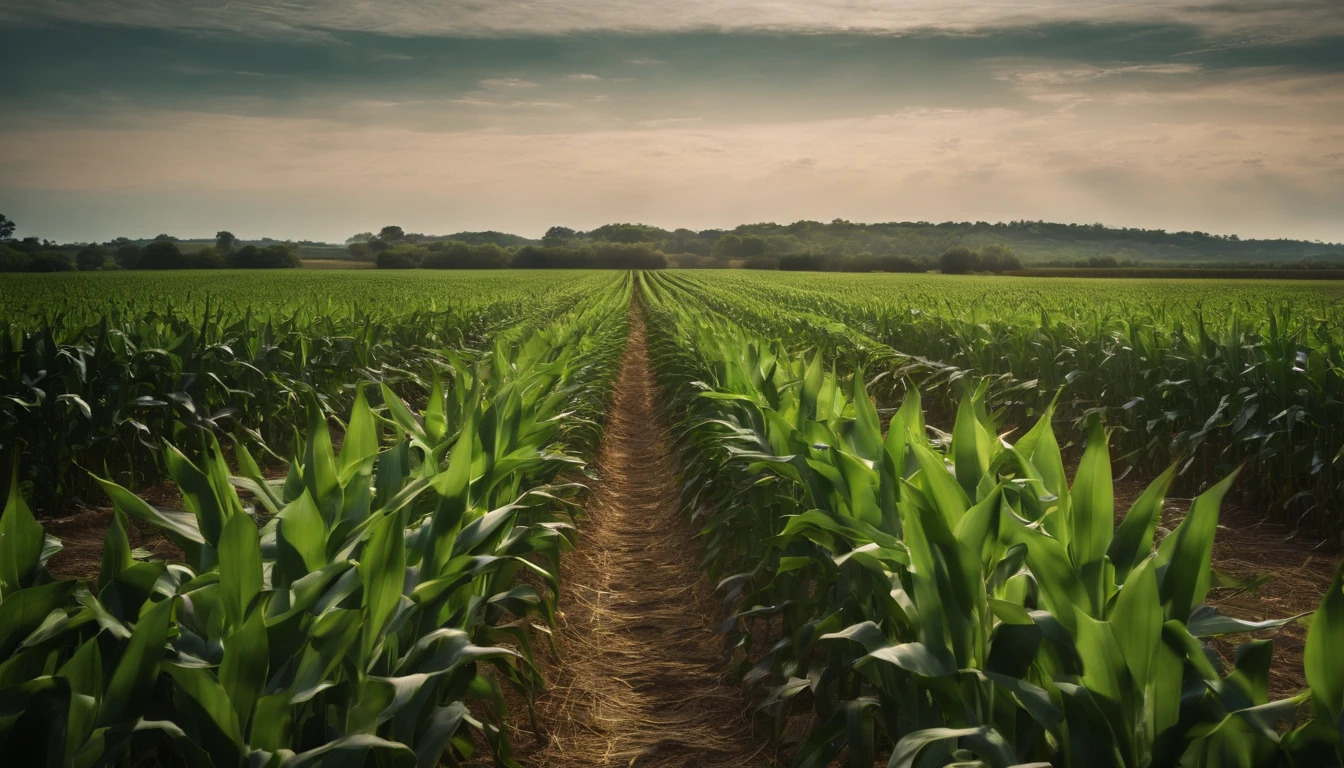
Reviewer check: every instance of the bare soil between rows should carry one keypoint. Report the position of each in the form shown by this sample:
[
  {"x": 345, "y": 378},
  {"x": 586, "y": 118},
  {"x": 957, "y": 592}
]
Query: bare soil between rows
[{"x": 634, "y": 679}]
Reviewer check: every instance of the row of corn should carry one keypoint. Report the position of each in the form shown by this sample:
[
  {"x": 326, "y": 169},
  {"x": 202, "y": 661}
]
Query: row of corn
[
  {"x": 368, "y": 609},
  {"x": 1214, "y": 375},
  {"x": 959, "y": 602},
  {"x": 84, "y": 390}
]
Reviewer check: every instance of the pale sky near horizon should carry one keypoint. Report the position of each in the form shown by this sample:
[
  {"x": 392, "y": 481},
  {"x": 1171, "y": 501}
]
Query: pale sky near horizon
[{"x": 317, "y": 120}]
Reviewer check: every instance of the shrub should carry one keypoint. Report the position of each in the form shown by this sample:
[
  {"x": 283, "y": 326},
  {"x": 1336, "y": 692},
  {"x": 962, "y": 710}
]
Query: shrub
[
  {"x": 206, "y": 258},
  {"x": 278, "y": 256},
  {"x": 12, "y": 260},
  {"x": 90, "y": 259},
  {"x": 50, "y": 261},
  {"x": 958, "y": 260},
  {"x": 398, "y": 259},
  {"x": 459, "y": 255},
  {"x": 162, "y": 254}
]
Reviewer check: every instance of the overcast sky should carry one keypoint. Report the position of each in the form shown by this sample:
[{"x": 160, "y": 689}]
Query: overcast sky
[{"x": 322, "y": 119}]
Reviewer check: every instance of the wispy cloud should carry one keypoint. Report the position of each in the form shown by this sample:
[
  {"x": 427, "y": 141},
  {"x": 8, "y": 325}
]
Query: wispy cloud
[
  {"x": 582, "y": 78},
  {"x": 669, "y": 121},
  {"x": 473, "y": 101},
  {"x": 507, "y": 82},
  {"x": 1003, "y": 164},
  {"x": 1256, "y": 19}
]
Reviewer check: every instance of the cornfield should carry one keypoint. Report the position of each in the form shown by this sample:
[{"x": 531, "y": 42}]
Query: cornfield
[{"x": 909, "y": 562}]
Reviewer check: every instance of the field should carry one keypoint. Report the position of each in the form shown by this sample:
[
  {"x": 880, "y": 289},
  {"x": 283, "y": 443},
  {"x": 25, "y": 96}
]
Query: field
[{"x": 420, "y": 518}]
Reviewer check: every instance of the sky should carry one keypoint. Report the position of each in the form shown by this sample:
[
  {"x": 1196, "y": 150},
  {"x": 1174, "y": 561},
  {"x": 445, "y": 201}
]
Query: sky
[{"x": 320, "y": 119}]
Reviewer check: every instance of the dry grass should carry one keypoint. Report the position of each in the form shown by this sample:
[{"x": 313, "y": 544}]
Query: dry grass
[{"x": 633, "y": 681}]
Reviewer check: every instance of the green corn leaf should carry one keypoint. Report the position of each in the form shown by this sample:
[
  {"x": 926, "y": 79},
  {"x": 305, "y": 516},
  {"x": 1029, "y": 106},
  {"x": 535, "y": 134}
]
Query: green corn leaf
[
  {"x": 20, "y": 540},
  {"x": 240, "y": 567},
  {"x": 918, "y": 658},
  {"x": 1187, "y": 551},
  {"x": 1137, "y": 620},
  {"x": 403, "y": 417},
  {"x": 320, "y": 476},
  {"x": 985, "y": 742},
  {"x": 353, "y": 751},
  {"x": 436, "y": 421},
  {"x": 116, "y": 549},
  {"x": 1325, "y": 673},
  {"x": 84, "y": 671},
  {"x": 947, "y": 496},
  {"x": 198, "y": 496},
  {"x": 382, "y": 569},
  {"x": 361, "y": 438},
  {"x": 133, "y": 679},
  {"x": 24, "y": 610},
  {"x": 244, "y": 668},
  {"x": 1092, "y": 501},
  {"x": 181, "y": 527},
  {"x": 969, "y": 455},
  {"x": 1133, "y": 540},
  {"x": 219, "y": 730},
  {"x": 301, "y": 538},
  {"x": 867, "y": 428}
]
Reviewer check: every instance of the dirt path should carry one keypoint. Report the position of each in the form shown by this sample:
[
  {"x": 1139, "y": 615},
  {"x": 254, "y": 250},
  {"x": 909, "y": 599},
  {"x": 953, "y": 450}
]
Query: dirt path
[{"x": 634, "y": 683}]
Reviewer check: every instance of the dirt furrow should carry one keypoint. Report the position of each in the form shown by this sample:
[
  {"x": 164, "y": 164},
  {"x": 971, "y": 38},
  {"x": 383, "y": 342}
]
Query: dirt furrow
[{"x": 634, "y": 683}]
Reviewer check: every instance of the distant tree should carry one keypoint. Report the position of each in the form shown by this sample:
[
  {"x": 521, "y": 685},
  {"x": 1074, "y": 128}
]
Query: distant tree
[
  {"x": 729, "y": 246},
  {"x": 362, "y": 237},
  {"x": 162, "y": 254},
  {"x": 752, "y": 246},
  {"x": 958, "y": 260},
  {"x": 1103, "y": 262},
  {"x": 628, "y": 234},
  {"x": 999, "y": 258},
  {"x": 360, "y": 251},
  {"x": 224, "y": 241},
  {"x": 12, "y": 260},
  {"x": 557, "y": 236},
  {"x": 90, "y": 259},
  {"x": 6, "y": 227},
  {"x": 206, "y": 258},
  {"x": 29, "y": 245},
  {"x": 276, "y": 256},
  {"x": 391, "y": 234},
  {"x": 455, "y": 255},
  {"x": 50, "y": 261},
  {"x": 128, "y": 255},
  {"x": 393, "y": 258},
  {"x": 377, "y": 245},
  {"x": 166, "y": 239}
]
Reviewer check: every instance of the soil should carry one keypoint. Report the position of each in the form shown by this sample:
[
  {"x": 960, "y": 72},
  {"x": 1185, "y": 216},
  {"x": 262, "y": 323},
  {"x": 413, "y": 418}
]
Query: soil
[{"x": 634, "y": 680}]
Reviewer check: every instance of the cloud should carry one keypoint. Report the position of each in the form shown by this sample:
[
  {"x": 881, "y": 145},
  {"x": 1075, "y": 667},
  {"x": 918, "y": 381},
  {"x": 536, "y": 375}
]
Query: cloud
[
  {"x": 474, "y": 101},
  {"x": 582, "y": 78},
  {"x": 933, "y": 164},
  {"x": 669, "y": 121},
  {"x": 645, "y": 62},
  {"x": 507, "y": 82},
  {"x": 1063, "y": 74},
  {"x": 1249, "y": 20}
]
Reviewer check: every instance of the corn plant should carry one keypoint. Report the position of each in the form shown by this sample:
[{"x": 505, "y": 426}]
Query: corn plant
[
  {"x": 97, "y": 381},
  {"x": 959, "y": 601},
  {"x": 368, "y": 608},
  {"x": 1200, "y": 371}
]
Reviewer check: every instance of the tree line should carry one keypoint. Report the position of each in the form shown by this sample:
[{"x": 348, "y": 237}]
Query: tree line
[
  {"x": 392, "y": 249},
  {"x": 634, "y": 246},
  {"x": 32, "y": 254}
]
